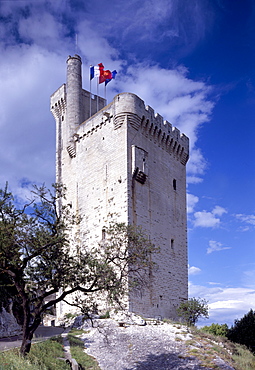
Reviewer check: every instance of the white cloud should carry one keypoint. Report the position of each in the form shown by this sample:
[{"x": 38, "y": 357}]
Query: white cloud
[
  {"x": 216, "y": 247},
  {"x": 194, "y": 270},
  {"x": 95, "y": 48},
  {"x": 183, "y": 102},
  {"x": 194, "y": 179},
  {"x": 225, "y": 304},
  {"x": 27, "y": 141},
  {"x": 209, "y": 219},
  {"x": 218, "y": 211},
  {"x": 192, "y": 200},
  {"x": 33, "y": 47},
  {"x": 248, "y": 278},
  {"x": 196, "y": 165},
  {"x": 247, "y": 220},
  {"x": 173, "y": 23}
]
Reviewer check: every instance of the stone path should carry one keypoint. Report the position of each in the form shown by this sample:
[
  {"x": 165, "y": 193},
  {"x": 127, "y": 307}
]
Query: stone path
[{"x": 140, "y": 347}]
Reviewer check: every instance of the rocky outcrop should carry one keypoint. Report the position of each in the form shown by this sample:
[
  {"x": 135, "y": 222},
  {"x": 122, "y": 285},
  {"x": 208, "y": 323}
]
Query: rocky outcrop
[{"x": 8, "y": 324}]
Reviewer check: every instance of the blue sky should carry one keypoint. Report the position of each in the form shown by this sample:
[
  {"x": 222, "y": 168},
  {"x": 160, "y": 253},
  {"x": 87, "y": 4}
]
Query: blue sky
[{"x": 193, "y": 62}]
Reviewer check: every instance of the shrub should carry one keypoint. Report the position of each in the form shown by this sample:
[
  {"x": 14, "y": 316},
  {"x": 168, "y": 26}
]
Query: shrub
[
  {"x": 192, "y": 309},
  {"x": 216, "y": 329}
]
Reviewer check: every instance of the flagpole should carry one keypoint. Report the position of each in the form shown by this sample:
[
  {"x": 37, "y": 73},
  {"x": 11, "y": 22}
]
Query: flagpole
[
  {"x": 90, "y": 93},
  {"x": 97, "y": 91},
  {"x": 105, "y": 94}
]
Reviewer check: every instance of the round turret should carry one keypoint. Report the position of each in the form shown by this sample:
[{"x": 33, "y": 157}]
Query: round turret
[{"x": 74, "y": 92}]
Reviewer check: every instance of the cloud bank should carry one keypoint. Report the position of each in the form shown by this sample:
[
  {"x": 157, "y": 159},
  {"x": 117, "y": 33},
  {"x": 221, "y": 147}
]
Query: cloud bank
[
  {"x": 36, "y": 40},
  {"x": 226, "y": 304}
]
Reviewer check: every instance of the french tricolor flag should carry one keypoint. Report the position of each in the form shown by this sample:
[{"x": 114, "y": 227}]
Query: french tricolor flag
[{"x": 96, "y": 71}]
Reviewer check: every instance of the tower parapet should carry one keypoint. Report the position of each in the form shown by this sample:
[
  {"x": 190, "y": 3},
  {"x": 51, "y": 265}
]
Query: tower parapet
[{"x": 128, "y": 108}]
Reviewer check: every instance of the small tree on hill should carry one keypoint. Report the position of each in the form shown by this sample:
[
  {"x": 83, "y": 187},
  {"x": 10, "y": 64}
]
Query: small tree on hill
[
  {"x": 192, "y": 309},
  {"x": 243, "y": 331},
  {"x": 39, "y": 258}
]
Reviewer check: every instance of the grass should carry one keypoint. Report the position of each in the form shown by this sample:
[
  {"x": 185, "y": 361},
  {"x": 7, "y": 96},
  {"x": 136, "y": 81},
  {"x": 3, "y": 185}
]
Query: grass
[
  {"x": 46, "y": 355},
  {"x": 77, "y": 351},
  {"x": 43, "y": 356},
  {"x": 49, "y": 355},
  {"x": 78, "y": 332},
  {"x": 207, "y": 347}
]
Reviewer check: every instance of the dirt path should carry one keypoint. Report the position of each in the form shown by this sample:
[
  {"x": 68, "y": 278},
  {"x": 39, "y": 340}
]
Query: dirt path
[{"x": 160, "y": 347}]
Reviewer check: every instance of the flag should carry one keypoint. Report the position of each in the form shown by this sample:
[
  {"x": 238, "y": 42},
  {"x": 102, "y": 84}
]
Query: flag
[
  {"x": 96, "y": 70},
  {"x": 105, "y": 75},
  {"x": 101, "y": 72},
  {"x": 113, "y": 74}
]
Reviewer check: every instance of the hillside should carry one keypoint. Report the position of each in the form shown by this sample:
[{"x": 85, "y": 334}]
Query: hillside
[{"x": 160, "y": 346}]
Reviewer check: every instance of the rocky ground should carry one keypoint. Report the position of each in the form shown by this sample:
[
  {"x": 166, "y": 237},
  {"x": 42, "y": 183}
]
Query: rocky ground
[{"x": 150, "y": 347}]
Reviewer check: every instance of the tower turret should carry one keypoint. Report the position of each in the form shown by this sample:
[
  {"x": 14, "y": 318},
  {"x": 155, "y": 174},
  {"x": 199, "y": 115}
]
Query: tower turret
[{"x": 73, "y": 96}]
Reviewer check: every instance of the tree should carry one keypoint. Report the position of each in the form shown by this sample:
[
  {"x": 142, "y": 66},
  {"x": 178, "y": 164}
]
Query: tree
[
  {"x": 192, "y": 309},
  {"x": 9, "y": 298},
  {"x": 243, "y": 331},
  {"x": 216, "y": 329},
  {"x": 40, "y": 258}
]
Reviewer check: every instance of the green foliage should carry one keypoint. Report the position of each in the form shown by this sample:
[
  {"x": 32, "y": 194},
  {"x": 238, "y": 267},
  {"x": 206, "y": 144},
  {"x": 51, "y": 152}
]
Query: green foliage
[
  {"x": 243, "y": 331},
  {"x": 212, "y": 347},
  {"x": 77, "y": 352},
  {"x": 43, "y": 356},
  {"x": 192, "y": 309},
  {"x": 216, "y": 329},
  {"x": 39, "y": 259},
  {"x": 70, "y": 315},
  {"x": 243, "y": 359},
  {"x": 77, "y": 332},
  {"x": 106, "y": 315}
]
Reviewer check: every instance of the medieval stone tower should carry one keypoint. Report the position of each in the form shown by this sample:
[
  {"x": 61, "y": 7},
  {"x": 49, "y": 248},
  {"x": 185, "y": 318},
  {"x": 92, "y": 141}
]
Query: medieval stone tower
[{"x": 124, "y": 161}]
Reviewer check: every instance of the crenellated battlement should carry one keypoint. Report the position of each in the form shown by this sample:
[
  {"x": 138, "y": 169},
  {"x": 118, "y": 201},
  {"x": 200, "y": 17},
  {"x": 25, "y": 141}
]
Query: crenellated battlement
[
  {"x": 58, "y": 102},
  {"x": 129, "y": 109}
]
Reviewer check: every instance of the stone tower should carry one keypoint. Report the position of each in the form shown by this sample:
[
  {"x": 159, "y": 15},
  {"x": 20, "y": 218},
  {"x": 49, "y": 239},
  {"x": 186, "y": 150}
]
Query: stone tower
[{"x": 125, "y": 161}]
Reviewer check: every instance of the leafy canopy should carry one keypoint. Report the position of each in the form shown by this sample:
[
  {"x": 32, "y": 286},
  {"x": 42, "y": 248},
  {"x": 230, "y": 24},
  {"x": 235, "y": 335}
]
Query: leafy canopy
[
  {"x": 216, "y": 329},
  {"x": 192, "y": 309},
  {"x": 41, "y": 261}
]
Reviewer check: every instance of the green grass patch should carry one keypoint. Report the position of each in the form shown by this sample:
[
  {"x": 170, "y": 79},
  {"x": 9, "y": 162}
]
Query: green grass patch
[
  {"x": 43, "y": 356},
  {"x": 77, "y": 352},
  {"x": 212, "y": 346},
  {"x": 78, "y": 331},
  {"x": 244, "y": 359}
]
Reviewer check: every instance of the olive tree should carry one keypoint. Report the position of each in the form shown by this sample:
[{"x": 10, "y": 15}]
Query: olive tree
[
  {"x": 40, "y": 259},
  {"x": 192, "y": 309}
]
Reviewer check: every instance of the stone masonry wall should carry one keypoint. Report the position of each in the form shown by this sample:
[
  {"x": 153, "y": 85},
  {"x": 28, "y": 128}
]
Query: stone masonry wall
[{"x": 127, "y": 164}]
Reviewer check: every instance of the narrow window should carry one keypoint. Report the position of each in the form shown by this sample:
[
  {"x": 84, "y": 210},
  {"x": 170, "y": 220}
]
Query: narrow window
[
  {"x": 103, "y": 234},
  {"x": 172, "y": 243},
  {"x": 174, "y": 184}
]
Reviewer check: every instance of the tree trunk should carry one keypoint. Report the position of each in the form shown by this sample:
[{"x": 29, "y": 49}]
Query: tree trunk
[
  {"x": 28, "y": 332},
  {"x": 26, "y": 343}
]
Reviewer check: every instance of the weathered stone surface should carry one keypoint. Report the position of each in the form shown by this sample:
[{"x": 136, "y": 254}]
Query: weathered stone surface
[
  {"x": 150, "y": 347},
  {"x": 8, "y": 325},
  {"x": 127, "y": 165}
]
